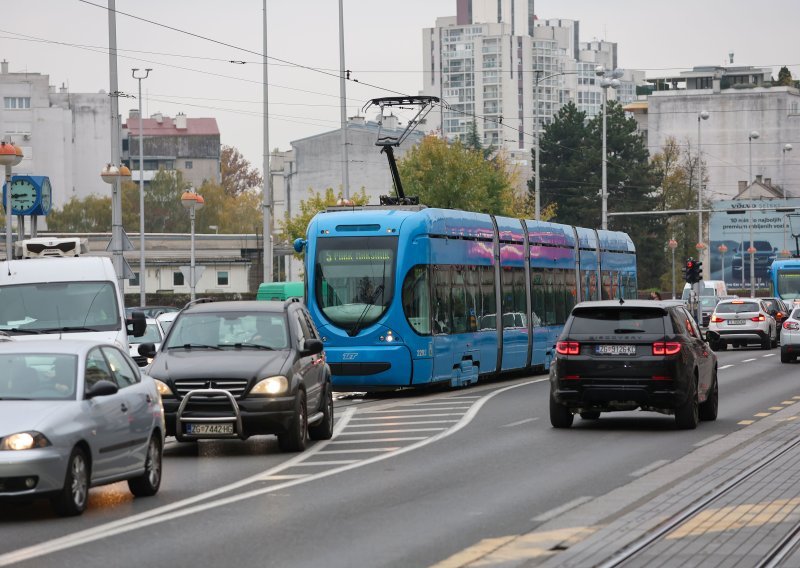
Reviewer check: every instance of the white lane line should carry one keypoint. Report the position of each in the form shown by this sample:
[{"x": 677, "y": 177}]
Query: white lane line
[
  {"x": 553, "y": 513},
  {"x": 324, "y": 462},
  {"x": 519, "y": 422},
  {"x": 155, "y": 516},
  {"x": 724, "y": 367},
  {"x": 376, "y": 440},
  {"x": 465, "y": 404},
  {"x": 360, "y": 451},
  {"x": 285, "y": 477},
  {"x": 709, "y": 440},
  {"x": 748, "y": 360},
  {"x": 769, "y": 355},
  {"x": 648, "y": 468},
  {"x": 414, "y": 423},
  {"x": 401, "y": 431},
  {"x": 372, "y": 418},
  {"x": 422, "y": 411}
]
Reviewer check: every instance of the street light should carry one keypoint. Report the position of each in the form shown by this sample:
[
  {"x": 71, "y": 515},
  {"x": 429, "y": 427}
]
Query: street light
[
  {"x": 754, "y": 135},
  {"x": 142, "y": 290},
  {"x": 10, "y": 156},
  {"x": 701, "y": 116},
  {"x": 786, "y": 148},
  {"x": 115, "y": 175},
  {"x": 722, "y": 250},
  {"x": 193, "y": 202},
  {"x": 673, "y": 244},
  {"x": 606, "y": 80}
]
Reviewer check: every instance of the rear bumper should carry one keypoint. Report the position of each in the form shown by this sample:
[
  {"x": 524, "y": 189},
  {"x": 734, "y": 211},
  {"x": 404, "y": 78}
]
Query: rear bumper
[{"x": 749, "y": 335}]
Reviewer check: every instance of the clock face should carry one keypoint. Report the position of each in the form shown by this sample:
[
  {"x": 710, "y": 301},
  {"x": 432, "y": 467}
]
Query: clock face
[
  {"x": 47, "y": 196},
  {"x": 23, "y": 196}
]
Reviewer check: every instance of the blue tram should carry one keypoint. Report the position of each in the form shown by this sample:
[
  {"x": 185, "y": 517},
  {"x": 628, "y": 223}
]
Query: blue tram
[{"x": 409, "y": 296}]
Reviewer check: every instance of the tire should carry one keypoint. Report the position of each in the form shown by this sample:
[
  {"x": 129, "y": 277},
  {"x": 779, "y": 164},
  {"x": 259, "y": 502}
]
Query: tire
[
  {"x": 147, "y": 484},
  {"x": 774, "y": 343},
  {"x": 765, "y": 343},
  {"x": 785, "y": 357},
  {"x": 687, "y": 414},
  {"x": 714, "y": 345},
  {"x": 74, "y": 496},
  {"x": 591, "y": 415},
  {"x": 560, "y": 416},
  {"x": 722, "y": 346},
  {"x": 324, "y": 430},
  {"x": 708, "y": 409},
  {"x": 294, "y": 440}
]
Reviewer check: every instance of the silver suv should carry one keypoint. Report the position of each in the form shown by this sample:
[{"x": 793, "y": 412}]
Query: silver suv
[{"x": 741, "y": 322}]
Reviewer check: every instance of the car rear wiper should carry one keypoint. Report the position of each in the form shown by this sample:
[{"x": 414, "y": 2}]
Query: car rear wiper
[
  {"x": 628, "y": 330},
  {"x": 254, "y": 346},
  {"x": 195, "y": 346}
]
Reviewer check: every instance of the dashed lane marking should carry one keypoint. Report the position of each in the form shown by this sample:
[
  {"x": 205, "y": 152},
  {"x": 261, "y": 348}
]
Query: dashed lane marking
[
  {"x": 748, "y": 360},
  {"x": 402, "y": 431},
  {"x": 519, "y": 422},
  {"x": 769, "y": 355},
  {"x": 377, "y": 440},
  {"x": 762, "y": 414},
  {"x": 725, "y": 367},
  {"x": 393, "y": 417},
  {"x": 746, "y": 422}
]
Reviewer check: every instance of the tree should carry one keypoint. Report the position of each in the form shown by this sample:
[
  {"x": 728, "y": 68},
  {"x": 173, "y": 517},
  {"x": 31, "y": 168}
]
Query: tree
[
  {"x": 785, "y": 77},
  {"x": 295, "y": 227},
  {"x": 91, "y": 214},
  {"x": 237, "y": 175},
  {"x": 162, "y": 204},
  {"x": 451, "y": 176}
]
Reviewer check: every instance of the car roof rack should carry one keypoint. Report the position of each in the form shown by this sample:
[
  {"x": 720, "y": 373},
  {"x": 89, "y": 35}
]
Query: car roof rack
[{"x": 198, "y": 301}]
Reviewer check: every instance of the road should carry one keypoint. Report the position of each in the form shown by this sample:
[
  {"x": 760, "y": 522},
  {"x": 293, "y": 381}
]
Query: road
[{"x": 409, "y": 480}]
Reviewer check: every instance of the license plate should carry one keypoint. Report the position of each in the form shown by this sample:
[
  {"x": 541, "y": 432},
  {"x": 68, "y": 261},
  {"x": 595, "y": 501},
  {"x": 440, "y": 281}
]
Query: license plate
[
  {"x": 735, "y": 322},
  {"x": 209, "y": 428},
  {"x": 615, "y": 350}
]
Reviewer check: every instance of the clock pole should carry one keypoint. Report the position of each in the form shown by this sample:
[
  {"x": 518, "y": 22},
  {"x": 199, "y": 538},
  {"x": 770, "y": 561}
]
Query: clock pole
[{"x": 10, "y": 156}]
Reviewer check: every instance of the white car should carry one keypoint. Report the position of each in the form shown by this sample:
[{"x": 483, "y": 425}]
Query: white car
[
  {"x": 152, "y": 334},
  {"x": 165, "y": 321},
  {"x": 790, "y": 337},
  {"x": 740, "y": 322}
]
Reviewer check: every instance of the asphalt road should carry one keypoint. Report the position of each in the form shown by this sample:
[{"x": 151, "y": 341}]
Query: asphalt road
[{"x": 408, "y": 480}]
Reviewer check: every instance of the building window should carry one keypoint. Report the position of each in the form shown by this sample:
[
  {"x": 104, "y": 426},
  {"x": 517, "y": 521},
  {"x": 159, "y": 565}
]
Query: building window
[
  {"x": 188, "y": 164},
  {"x": 222, "y": 278},
  {"x": 16, "y": 102},
  {"x": 177, "y": 279},
  {"x": 135, "y": 280}
]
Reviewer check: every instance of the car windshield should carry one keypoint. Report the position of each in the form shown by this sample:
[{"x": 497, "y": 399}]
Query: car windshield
[
  {"x": 38, "y": 376},
  {"x": 612, "y": 320},
  {"x": 49, "y": 307},
  {"x": 229, "y": 329},
  {"x": 151, "y": 335},
  {"x": 736, "y": 308},
  {"x": 708, "y": 302}
]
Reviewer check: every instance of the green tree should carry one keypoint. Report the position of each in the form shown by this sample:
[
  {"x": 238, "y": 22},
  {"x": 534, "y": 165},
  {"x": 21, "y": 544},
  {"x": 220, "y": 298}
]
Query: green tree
[
  {"x": 237, "y": 175},
  {"x": 454, "y": 177},
  {"x": 785, "y": 77},
  {"x": 295, "y": 227},
  {"x": 162, "y": 204},
  {"x": 91, "y": 214}
]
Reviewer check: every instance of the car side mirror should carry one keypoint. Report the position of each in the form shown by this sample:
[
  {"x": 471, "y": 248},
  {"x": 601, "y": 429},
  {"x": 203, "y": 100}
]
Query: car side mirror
[
  {"x": 102, "y": 388},
  {"x": 136, "y": 324},
  {"x": 311, "y": 347},
  {"x": 147, "y": 350}
]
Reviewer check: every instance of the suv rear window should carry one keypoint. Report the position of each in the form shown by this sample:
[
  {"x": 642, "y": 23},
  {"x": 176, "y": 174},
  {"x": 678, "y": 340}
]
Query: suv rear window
[
  {"x": 611, "y": 320},
  {"x": 737, "y": 308}
]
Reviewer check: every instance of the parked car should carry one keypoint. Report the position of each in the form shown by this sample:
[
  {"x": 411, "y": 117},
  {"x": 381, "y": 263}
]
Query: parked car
[
  {"x": 634, "y": 354},
  {"x": 165, "y": 320},
  {"x": 152, "y": 334},
  {"x": 238, "y": 369},
  {"x": 790, "y": 337},
  {"x": 152, "y": 311},
  {"x": 740, "y": 322},
  {"x": 75, "y": 414}
]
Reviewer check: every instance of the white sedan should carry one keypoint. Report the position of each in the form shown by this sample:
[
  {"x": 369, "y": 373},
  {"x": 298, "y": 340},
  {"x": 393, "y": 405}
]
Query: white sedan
[{"x": 75, "y": 414}]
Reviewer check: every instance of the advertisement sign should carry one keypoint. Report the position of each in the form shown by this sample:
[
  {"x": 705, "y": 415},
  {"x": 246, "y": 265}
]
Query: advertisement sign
[{"x": 770, "y": 232}]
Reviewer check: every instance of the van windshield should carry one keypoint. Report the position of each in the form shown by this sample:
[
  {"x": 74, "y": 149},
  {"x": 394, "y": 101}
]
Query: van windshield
[{"x": 52, "y": 307}]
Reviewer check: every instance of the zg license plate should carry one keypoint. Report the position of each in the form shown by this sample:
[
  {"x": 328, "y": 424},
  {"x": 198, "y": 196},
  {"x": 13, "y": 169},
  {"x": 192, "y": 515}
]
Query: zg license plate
[
  {"x": 615, "y": 350},
  {"x": 209, "y": 428},
  {"x": 735, "y": 322}
]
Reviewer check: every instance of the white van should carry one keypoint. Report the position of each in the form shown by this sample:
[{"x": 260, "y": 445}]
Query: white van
[
  {"x": 709, "y": 288},
  {"x": 76, "y": 297}
]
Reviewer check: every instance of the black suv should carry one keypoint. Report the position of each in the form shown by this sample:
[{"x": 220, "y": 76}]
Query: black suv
[
  {"x": 623, "y": 355},
  {"x": 238, "y": 369}
]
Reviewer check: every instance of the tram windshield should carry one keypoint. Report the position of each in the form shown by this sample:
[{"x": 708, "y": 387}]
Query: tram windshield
[
  {"x": 788, "y": 284},
  {"x": 354, "y": 279}
]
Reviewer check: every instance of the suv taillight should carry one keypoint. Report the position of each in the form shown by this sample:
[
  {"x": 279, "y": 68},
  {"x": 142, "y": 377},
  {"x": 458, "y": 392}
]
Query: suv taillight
[
  {"x": 791, "y": 325},
  {"x": 759, "y": 317},
  {"x": 716, "y": 319},
  {"x": 568, "y": 347},
  {"x": 666, "y": 348}
]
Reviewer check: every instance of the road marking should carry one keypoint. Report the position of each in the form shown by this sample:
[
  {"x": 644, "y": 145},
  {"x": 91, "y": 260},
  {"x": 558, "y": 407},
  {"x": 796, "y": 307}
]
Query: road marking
[
  {"x": 775, "y": 408},
  {"x": 746, "y": 422},
  {"x": 375, "y": 440},
  {"x": 324, "y": 462},
  {"x": 724, "y": 367},
  {"x": 361, "y": 451},
  {"x": 519, "y": 423},
  {"x": 762, "y": 414},
  {"x": 709, "y": 440},
  {"x": 284, "y": 477},
  {"x": 648, "y": 468},
  {"x": 558, "y": 511},
  {"x": 403, "y": 431},
  {"x": 769, "y": 355},
  {"x": 422, "y": 411},
  {"x": 748, "y": 360},
  {"x": 788, "y": 402},
  {"x": 368, "y": 418}
]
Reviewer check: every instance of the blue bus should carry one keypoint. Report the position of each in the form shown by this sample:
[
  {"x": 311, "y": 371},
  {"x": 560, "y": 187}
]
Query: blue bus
[
  {"x": 784, "y": 278},
  {"x": 409, "y": 296}
]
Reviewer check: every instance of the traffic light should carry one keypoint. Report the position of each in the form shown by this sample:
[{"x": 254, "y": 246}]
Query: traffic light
[
  {"x": 698, "y": 268},
  {"x": 693, "y": 272}
]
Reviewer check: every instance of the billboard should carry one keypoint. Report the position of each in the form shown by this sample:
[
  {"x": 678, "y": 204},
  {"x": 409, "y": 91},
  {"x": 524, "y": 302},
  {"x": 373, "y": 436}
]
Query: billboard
[{"x": 771, "y": 234}]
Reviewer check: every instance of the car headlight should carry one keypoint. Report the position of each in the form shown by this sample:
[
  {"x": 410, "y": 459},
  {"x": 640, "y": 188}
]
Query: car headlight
[
  {"x": 163, "y": 388},
  {"x": 24, "y": 441},
  {"x": 271, "y": 385}
]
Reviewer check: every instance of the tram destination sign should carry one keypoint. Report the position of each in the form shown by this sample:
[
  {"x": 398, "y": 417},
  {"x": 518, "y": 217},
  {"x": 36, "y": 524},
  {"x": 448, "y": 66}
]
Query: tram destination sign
[{"x": 356, "y": 256}]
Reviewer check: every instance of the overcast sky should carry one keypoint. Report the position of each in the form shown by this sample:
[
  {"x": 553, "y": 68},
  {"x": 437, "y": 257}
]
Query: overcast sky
[{"x": 68, "y": 40}]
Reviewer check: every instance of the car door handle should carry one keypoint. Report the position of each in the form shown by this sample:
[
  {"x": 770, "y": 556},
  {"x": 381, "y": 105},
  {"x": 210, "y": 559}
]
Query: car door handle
[
  {"x": 123, "y": 407},
  {"x": 149, "y": 399}
]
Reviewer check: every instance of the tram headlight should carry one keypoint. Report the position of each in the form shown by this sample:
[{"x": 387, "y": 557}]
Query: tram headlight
[{"x": 390, "y": 337}]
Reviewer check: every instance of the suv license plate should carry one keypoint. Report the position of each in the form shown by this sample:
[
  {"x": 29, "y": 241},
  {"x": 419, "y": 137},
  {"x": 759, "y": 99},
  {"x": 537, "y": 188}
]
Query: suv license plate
[
  {"x": 209, "y": 428},
  {"x": 735, "y": 322},
  {"x": 615, "y": 350}
]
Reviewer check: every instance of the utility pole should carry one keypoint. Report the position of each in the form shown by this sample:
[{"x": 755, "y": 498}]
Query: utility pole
[{"x": 267, "y": 196}]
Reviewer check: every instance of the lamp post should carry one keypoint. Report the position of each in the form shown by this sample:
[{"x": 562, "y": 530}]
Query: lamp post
[
  {"x": 193, "y": 202},
  {"x": 115, "y": 175},
  {"x": 673, "y": 244},
  {"x": 142, "y": 285},
  {"x": 10, "y": 156},
  {"x": 786, "y": 148},
  {"x": 701, "y": 116},
  {"x": 606, "y": 80},
  {"x": 722, "y": 250},
  {"x": 754, "y": 135}
]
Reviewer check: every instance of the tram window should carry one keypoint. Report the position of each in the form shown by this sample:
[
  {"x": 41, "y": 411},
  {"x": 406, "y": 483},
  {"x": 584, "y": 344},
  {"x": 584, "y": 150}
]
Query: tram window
[
  {"x": 416, "y": 299},
  {"x": 488, "y": 312},
  {"x": 549, "y": 299},
  {"x": 537, "y": 295},
  {"x": 441, "y": 299},
  {"x": 472, "y": 287},
  {"x": 605, "y": 276},
  {"x": 458, "y": 300},
  {"x": 520, "y": 297},
  {"x": 507, "y": 296},
  {"x": 559, "y": 299},
  {"x": 571, "y": 292}
]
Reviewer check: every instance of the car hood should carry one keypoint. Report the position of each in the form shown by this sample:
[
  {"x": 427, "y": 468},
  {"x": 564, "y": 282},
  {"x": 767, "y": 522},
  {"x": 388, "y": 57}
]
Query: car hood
[
  {"x": 24, "y": 415},
  {"x": 227, "y": 363}
]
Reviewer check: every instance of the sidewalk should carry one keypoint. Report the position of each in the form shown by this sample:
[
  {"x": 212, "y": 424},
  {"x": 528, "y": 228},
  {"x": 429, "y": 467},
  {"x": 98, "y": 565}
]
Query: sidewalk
[{"x": 738, "y": 529}]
